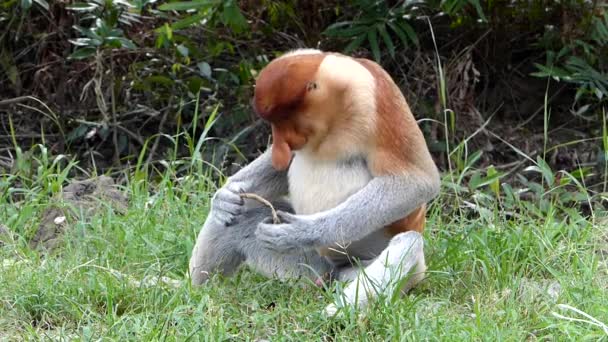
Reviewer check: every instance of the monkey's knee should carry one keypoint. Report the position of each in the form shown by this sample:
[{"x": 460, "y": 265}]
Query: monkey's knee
[
  {"x": 215, "y": 251},
  {"x": 411, "y": 244},
  {"x": 212, "y": 262},
  {"x": 222, "y": 249}
]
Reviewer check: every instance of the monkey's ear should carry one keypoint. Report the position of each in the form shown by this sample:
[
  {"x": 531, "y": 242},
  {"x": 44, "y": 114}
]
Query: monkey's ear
[{"x": 281, "y": 152}]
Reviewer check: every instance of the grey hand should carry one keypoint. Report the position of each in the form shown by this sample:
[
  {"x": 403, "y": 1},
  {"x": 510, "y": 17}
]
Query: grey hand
[
  {"x": 226, "y": 204},
  {"x": 294, "y": 232}
]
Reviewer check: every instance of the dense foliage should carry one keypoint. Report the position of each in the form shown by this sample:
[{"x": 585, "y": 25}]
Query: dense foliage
[{"x": 166, "y": 85}]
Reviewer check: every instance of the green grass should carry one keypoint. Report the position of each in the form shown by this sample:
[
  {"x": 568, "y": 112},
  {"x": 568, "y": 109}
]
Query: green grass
[{"x": 486, "y": 276}]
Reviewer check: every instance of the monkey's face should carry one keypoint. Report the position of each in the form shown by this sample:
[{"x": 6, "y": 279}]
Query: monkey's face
[{"x": 297, "y": 101}]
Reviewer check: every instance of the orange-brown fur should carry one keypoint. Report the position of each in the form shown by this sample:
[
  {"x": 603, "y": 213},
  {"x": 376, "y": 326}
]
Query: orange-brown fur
[{"x": 399, "y": 142}]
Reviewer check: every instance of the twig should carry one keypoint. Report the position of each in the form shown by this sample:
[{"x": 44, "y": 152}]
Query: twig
[
  {"x": 540, "y": 109},
  {"x": 275, "y": 217},
  {"x": 14, "y": 100},
  {"x": 114, "y": 120},
  {"x": 160, "y": 130}
]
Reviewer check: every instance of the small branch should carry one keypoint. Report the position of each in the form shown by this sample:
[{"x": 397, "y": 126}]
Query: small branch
[
  {"x": 275, "y": 217},
  {"x": 114, "y": 120},
  {"x": 19, "y": 99},
  {"x": 160, "y": 130}
]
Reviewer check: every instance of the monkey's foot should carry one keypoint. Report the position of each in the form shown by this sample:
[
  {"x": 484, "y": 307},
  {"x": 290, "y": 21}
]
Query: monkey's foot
[
  {"x": 325, "y": 280},
  {"x": 330, "y": 310}
]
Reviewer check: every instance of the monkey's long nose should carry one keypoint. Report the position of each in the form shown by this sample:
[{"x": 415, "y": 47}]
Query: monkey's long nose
[{"x": 281, "y": 152}]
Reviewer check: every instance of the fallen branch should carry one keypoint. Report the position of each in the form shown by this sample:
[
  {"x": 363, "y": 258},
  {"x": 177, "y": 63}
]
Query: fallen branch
[{"x": 275, "y": 217}]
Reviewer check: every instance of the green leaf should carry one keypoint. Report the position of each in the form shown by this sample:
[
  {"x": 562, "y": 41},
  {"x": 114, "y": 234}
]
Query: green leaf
[
  {"x": 387, "y": 40},
  {"x": 43, "y": 4},
  {"x": 544, "y": 169},
  {"x": 183, "y": 50},
  {"x": 204, "y": 69},
  {"x": 399, "y": 33},
  {"x": 85, "y": 42},
  {"x": 372, "y": 36},
  {"x": 187, "y": 21},
  {"x": 126, "y": 43},
  {"x": 494, "y": 176},
  {"x": 342, "y": 31},
  {"x": 26, "y": 4},
  {"x": 83, "y": 53},
  {"x": 478, "y": 8},
  {"x": 160, "y": 79},
  {"x": 409, "y": 31},
  {"x": 337, "y": 25},
  {"x": 233, "y": 18},
  {"x": 354, "y": 44},
  {"x": 187, "y": 5}
]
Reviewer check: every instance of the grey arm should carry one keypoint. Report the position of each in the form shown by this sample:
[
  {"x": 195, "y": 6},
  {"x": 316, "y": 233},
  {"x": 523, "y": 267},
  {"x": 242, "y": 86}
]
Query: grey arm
[
  {"x": 261, "y": 178},
  {"x": 381, "y": 202},
  {"x": 258, "y": 177}
]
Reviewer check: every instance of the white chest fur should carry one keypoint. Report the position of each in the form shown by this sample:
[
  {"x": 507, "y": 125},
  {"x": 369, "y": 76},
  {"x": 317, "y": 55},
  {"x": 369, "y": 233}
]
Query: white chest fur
[{"x": 316, "y": 186}]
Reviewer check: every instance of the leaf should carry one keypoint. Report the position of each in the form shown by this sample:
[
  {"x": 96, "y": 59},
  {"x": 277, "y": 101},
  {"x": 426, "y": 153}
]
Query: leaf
[
  {"x": 77, "y": 133},
  {"x": 546, "y": 171},
  {"x": 187, "y": 21},
  {"x": 183, "y": 50},
  {"x": 387, "y": 40},
  {"x": 409, "y": 31},
  {"x": 337, "y": 31},
  {"x": 26, "y": 4},
  {"x": 337, "y": 25},
  {"x": 550, "y": 71},
  {"x": 187, "y": 5},
  {"x": 43, "y": 4},
  {"x": 204, "y": 69},
  {"x": 85, "y": 42},
  {"x": 83, "y": 53},
  {"x": 194, "y": 84},
  {"x": 477, "y": 6},
  {"x": 233, "y": 18},
  {"x": 127, "y": 43},
  {"x": 354, "y": 44},
  {"x": 494, "y": 176},
  {"x": 159, "y": 79},
  {"x": 372, "y": 36},
  {"x": 82, "y": 7},
  {"x": 399, "y": 32}
]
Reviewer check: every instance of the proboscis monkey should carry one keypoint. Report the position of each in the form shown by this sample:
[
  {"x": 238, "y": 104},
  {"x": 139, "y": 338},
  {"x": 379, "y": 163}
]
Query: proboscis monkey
[{"x": 357, "y": 173}]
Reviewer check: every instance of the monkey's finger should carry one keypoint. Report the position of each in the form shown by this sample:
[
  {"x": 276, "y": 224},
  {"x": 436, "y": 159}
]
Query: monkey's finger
[
  {"x": 236, "y": 187},
  {"x": 229, "y": 196},
  {"x": 286, "y": 217},
  {"x": 228, "y": 207},
  {"x": 275, "y": 238},
  {"x": 224, "y": 218},
  {"x": 268, "y": 221},
  {"x": 268, "y": 233}
]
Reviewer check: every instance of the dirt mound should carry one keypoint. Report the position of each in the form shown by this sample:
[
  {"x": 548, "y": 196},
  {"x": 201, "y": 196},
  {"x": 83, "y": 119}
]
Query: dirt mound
[{"x": 80, "y": 199}]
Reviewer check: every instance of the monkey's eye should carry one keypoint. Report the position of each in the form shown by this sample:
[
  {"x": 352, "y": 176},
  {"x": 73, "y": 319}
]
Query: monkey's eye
[{"x": 311, "y": 86}]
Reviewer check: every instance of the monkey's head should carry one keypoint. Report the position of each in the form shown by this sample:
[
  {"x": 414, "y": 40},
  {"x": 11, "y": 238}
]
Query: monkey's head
[{"x": 299, "y": 100}]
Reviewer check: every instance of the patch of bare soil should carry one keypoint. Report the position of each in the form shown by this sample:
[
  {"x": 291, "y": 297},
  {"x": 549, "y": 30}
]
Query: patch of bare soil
[{"x": 80, "y": 199}]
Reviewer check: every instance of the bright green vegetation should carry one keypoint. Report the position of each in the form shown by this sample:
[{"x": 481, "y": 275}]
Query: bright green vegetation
[
  {"x": 157, "y": 95},
  {"x": 495, "y": 273}
]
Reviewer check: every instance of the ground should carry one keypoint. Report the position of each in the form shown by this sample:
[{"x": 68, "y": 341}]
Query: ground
[{"x": 491, "y": 277}]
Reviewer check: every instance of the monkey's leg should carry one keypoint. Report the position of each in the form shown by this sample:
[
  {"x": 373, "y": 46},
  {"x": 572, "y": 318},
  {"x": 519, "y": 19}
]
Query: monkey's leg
[
  {"x": 221, "y": 249},
  {"x": 385, "y": 274},
  {"x": 301, "y": 263},
  {"x": 215, "y": 251}
]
